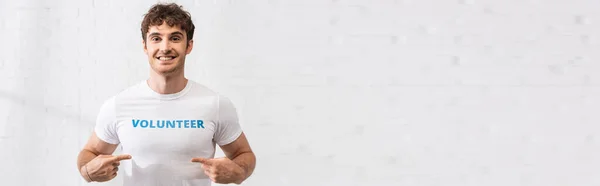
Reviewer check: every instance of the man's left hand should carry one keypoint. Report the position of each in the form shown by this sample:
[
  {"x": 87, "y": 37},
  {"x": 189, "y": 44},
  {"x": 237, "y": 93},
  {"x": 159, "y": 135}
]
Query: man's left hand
[{"x": 221, "y": 170}]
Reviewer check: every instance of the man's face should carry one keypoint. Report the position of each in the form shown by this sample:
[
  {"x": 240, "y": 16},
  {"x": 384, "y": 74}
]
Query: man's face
[{"x": 166, "y": 48}]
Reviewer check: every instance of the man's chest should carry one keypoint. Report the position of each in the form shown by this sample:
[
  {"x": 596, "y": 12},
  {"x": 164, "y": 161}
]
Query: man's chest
[{"x": 183, "y": 129}]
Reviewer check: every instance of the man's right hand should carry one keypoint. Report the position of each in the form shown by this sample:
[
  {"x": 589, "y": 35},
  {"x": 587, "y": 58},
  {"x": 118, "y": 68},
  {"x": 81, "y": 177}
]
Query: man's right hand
[{"x": 103, "y": 167}]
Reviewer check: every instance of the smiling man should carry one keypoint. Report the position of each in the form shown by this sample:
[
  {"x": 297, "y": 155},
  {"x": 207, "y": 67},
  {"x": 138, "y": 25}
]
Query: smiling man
[{"x": 167, "y": 125}]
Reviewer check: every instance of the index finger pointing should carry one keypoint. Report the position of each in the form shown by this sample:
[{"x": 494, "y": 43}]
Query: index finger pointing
[
  {"x": 121, "y": 157},
  {"x": 201, "y": 160}
]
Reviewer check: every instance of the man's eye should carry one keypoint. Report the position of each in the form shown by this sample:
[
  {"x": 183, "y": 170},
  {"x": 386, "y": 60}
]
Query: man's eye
[
  {"x": 176, "y": 38},
  {"x": 155, "y": 39}
]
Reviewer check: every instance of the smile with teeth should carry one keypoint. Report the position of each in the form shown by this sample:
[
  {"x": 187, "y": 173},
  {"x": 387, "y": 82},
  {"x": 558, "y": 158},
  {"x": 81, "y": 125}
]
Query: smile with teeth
[{"x": 165, "y": 58}]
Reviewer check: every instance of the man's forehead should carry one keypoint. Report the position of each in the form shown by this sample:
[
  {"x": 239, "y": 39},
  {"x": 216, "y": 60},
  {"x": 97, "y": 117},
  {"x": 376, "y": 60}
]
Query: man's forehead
[{"x": 164, "y": 29}]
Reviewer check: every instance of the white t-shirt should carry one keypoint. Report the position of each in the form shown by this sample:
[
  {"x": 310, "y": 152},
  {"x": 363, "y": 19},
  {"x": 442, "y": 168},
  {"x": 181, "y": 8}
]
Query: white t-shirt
[{"x": 163, "y": 132}]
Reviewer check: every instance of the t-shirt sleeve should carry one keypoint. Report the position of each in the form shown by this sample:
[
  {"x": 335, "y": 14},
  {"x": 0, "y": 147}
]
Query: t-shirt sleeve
[
  {"x": 106, "y": 122},
  {"x": 228, "y": 128}
]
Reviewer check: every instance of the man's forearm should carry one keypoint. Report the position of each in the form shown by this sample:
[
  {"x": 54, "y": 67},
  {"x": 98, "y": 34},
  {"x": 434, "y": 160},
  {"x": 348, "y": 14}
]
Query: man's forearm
[
  {"x": 84, "y": 157},
  {"x": 247, "y": 162}
]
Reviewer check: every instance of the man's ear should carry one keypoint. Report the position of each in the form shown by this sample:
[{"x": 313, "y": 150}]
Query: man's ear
[
  {"x": 144, "y": 46},
  {"x": 189, "y": 47}
]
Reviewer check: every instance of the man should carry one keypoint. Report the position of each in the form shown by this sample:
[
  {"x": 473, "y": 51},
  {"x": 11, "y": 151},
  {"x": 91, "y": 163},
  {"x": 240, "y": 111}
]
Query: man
[{"x": 167, "y": 125}]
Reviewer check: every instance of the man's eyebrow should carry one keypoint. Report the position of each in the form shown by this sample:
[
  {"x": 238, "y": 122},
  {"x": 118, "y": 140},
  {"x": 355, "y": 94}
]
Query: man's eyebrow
[
  {"x": 158, "y": 34},
  {"x": 176, "y": 33},
  {"x": 154, "y": 34}
]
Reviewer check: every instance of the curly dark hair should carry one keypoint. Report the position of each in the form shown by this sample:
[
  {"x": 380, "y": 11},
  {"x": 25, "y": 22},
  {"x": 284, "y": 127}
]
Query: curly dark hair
[{"x": 170, "y": 13}]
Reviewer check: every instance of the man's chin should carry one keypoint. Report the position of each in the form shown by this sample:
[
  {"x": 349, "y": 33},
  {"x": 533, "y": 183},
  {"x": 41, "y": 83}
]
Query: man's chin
[
  {"x": 165, "y": 71},
  {"x": 165, "y": 68}
]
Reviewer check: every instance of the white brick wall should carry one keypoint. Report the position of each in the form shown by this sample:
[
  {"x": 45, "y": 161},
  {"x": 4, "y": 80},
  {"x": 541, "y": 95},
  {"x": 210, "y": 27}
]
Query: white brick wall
[{"x": 340, "y": 92}]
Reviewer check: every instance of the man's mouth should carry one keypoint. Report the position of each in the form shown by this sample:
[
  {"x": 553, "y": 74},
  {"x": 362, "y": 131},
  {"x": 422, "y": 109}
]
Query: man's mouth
[{"x": 165, "y": 58}]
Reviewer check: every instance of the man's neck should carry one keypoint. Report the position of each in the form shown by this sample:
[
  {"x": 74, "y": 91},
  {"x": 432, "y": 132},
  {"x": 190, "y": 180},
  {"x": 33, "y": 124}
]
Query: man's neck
[{"x": 167, "y": 84}]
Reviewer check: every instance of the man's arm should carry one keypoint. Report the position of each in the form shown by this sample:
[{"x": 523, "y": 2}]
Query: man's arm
[
  {"x": 93, "y": 148},
  {"x": 239, "y": 151}
]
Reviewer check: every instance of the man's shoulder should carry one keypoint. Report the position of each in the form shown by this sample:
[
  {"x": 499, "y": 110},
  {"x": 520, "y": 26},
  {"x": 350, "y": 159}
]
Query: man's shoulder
[
  {"x": 199, "y": 89},
  {"x": 133, "y": 89}
]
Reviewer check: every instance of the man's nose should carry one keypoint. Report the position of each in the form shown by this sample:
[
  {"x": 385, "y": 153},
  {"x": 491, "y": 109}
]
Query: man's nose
[{"x": 165, "y": 46}]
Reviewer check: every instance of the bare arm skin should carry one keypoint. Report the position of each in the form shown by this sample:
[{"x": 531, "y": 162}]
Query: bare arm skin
[
  {"x": 240, "y": 152},
  {"x": 93, "y": 148}
]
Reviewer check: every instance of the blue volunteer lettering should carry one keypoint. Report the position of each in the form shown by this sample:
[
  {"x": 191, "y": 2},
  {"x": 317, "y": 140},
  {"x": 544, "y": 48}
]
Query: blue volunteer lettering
[{"x": 142, "y": 123}]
